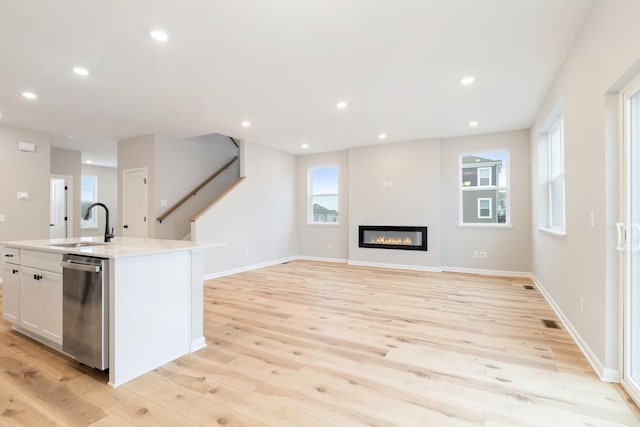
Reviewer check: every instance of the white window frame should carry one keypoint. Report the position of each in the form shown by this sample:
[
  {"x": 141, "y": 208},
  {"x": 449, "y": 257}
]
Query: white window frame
[
  {"x": 552, "y": 167},
  {"x": 479, "y": 178},
  {"x": 92, "y": 222},
  {"x": 311, "y": 195},
  {"x": 485, "y": 199},
  {"x": 506, "y": 188},
  {"x": 555, "y": 173}
]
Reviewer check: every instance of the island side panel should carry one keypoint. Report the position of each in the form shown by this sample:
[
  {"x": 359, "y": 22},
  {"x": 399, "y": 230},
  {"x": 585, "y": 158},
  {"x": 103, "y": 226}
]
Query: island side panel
[
  {"x": 197, "y": 300},
  {"x": 150, "y": 313}
]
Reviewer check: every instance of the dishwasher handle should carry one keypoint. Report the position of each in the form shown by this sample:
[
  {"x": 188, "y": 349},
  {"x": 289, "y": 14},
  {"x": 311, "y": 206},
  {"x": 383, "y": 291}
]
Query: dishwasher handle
[{"x": 73, "y": 265}]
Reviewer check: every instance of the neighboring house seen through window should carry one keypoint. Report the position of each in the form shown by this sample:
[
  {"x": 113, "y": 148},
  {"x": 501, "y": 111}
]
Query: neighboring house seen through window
[
  {"x": 323, "y": 195},
  {"x": 484, "y": 188},
  {"x": 88, "y": 195}
]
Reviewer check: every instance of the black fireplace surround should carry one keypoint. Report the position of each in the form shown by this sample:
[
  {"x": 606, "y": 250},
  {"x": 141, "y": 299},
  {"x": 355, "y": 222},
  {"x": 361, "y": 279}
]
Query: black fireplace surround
[{"x": 392, "y": 237}]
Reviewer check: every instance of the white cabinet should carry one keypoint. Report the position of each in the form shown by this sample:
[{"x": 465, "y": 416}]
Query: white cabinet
[
  {"x": 41, "y": 303},
  {"x": 32, "y": 292},
  {"x": 11, "y": 293},
  {"x": 11, "y": 284}
]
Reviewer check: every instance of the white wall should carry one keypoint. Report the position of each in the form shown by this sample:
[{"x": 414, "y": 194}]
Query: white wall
[
  {"x": 583, "y": 264},
  {"x": 414, "y": 199},
  {"x": 24, "y": 172},
  {"x": 257, "y": 219},
  {"x": 107, "y": 194},
  {"x": 68, "y": 162},
  {"x": 314, "y": 239},
  {"x": 509, "y": 249}
]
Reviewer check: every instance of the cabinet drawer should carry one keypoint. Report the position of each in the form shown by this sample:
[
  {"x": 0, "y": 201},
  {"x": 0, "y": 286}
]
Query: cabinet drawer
[
  {"x": 11, "y": 255},
  {"x": 41, "y": 260}
]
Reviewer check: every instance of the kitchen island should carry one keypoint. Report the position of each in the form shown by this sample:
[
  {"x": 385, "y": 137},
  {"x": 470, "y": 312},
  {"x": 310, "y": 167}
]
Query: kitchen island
[{"x": 155, "y": 297}]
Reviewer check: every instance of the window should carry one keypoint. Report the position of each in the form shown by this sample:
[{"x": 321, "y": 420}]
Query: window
[
  {"x": 88, "y": 195},
  {"x": 484, "y": 208},
  {"x": 484, "y": 177},
  {"x": 484, "y": 188},
  {"x": 323, "y": 195},
  {"x": 555, "y": 184}
]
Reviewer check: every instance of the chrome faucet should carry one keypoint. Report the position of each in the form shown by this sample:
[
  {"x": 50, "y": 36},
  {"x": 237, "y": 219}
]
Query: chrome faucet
[{"x": 107, "y": 235}]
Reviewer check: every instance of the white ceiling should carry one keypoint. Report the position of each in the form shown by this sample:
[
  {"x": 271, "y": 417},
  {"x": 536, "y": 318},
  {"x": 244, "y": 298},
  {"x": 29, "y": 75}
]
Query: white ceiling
[{"x": 283, "y": 65}]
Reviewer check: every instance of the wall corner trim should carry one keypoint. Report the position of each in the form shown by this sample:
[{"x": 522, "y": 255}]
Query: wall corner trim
[{"x": 605, "y": 374}]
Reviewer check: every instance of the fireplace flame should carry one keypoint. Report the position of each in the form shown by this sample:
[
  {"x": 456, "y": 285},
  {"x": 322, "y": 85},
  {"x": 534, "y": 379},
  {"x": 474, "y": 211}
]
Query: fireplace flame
[{"x": 383, "y": 240}]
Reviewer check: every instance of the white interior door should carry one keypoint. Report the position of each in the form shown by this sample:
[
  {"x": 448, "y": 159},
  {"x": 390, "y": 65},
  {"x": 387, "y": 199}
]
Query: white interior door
[
  {"x": 58, "y": 219},
  {"x": 629, "y": 242},
  {"x": 134, "y": 203}
]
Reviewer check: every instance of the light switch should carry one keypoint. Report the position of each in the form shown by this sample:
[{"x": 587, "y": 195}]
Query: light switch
[
  {"x": 592, "y": 219},
  {"x": 387, "y": 184},
  {"x": 163, "y": 203},
  {"x": 22, "y": 195},
  {"x": 2, "y": 218}
]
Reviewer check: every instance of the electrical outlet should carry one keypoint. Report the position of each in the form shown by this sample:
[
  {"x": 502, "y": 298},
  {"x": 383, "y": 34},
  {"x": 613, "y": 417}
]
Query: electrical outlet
[
  {"x": 476, "y": 254},
  {"x": 483, "y": 254},
  {"x": 330, "y": 246},
  {"x": 246, "y": 251}
]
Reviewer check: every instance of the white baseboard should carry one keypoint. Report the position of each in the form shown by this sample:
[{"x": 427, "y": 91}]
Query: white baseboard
[
  {"x": 395, "y": 266},
  {"x": 485, "y": 272},
  {"x": 197, "y": 344},
  {"x": 247, "y": 268},
  {"x": 605, "y": 374},
  {"x": 321, "y": 259}
]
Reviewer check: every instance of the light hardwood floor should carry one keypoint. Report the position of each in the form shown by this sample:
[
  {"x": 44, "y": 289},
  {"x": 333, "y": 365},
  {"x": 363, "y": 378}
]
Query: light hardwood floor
[{"x": 320, "y": 344}]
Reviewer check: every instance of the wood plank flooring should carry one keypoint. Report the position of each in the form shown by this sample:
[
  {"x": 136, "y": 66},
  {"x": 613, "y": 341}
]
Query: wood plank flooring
[{"x": 322, "y": 344}]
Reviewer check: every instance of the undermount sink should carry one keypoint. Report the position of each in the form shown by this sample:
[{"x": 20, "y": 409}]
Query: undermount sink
[{"x": 77, "y": 244}]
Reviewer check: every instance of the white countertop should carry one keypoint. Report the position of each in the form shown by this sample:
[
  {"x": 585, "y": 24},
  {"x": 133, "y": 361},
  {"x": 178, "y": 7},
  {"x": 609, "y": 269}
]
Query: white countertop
[{"x": 119, "y": 247}]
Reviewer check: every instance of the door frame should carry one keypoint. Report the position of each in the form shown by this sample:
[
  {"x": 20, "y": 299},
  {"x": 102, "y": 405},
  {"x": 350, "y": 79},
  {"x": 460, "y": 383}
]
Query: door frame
[
  {"x": 624, "y": 260},
  {"x": 124, "y": 196},
  {"x": 69, "y": 196}
]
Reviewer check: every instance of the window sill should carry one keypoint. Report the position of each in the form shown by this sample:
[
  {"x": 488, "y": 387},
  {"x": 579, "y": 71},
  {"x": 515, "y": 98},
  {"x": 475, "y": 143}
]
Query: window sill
[
  {"x": 553, "y": 232},
  {"x": 496, "y": 226}
]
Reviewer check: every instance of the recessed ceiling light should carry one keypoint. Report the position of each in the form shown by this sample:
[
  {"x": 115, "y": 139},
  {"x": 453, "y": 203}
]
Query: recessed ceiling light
[
  {"x": 305, "y": 145},
  {"x": 245, "y": 123},
  {"x": 88, "y": 161},
  {"x": 81, "y": 71},
  {"x": 159, "y": 35},
  {"x": 341, "y": 105},
  {"x": 467, "y": 80},
  {"x": 382, "y": 136},
  {"x": 29, "y": 95},
  {"x": 473, "y": 123}
]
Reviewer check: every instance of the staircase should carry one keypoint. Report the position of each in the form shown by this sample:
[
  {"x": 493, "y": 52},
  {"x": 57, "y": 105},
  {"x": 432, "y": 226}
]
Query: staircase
[{"x": 174, "y": 221}]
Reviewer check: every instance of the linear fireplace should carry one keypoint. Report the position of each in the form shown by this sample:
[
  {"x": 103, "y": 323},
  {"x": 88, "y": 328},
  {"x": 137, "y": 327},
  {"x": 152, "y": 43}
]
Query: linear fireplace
[{"x": 392, "y": 237}]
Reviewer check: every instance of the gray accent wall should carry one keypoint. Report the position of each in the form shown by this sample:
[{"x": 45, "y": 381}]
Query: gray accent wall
[
  {"x": 24, "y": 172},
  {"x": 412, "y": 198}
]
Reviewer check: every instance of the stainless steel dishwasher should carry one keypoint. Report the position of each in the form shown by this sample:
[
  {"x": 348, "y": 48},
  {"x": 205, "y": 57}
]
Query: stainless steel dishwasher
[{"x": 85, "y": 309}]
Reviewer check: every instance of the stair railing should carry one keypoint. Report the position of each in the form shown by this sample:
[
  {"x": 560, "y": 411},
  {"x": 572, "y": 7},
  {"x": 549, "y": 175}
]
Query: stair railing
[{"x": 193, "y": 192}]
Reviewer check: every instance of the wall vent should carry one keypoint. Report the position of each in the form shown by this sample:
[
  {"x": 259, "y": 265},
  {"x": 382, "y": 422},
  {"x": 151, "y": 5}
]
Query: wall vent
[
  {"x": 551, "y": 324},
  {"x": 529, "y": 287}
]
